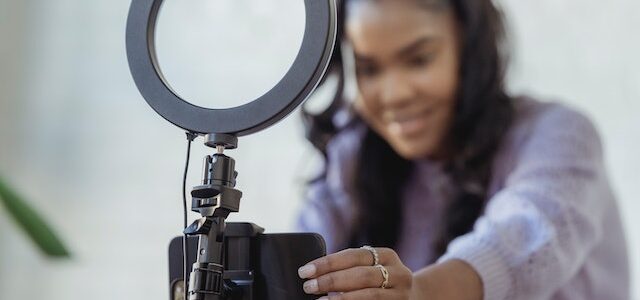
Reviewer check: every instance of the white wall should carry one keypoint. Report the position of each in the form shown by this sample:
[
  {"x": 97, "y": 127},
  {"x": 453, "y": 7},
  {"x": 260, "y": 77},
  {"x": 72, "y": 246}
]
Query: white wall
[{"x": 80, "y": 142}]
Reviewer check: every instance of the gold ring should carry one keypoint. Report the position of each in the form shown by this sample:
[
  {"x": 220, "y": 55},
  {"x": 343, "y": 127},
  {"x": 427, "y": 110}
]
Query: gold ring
[
  {"x": 385, "y": 276},
  {"x": 376, "y": 258}
]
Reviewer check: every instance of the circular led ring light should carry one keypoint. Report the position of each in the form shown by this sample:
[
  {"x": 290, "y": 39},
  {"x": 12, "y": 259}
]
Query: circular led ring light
[{"x": 297, "y": 84}]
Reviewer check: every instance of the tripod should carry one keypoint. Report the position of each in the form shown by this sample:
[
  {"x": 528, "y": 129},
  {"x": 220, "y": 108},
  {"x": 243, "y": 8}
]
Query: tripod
[
  {"x": 237, "y": 261},
  {"x": 234, "y": 261},
  {"x": 215, "y": 199}
]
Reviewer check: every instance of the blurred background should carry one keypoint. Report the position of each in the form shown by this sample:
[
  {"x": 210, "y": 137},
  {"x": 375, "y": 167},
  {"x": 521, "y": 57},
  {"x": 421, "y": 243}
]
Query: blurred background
[{"x": 79, "y": 142}]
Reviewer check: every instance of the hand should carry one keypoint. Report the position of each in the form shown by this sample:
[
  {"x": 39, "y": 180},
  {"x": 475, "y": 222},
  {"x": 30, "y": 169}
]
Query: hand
[{"x": 351, "y": 272}]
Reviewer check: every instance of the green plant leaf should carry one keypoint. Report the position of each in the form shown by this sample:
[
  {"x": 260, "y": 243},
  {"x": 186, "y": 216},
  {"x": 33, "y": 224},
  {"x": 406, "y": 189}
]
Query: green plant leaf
[{"x": 32, "y": 223}]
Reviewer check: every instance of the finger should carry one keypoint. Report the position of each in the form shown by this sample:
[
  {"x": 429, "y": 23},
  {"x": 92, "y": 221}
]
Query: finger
[
  {"x": 369, "y": 294},
  {"x": 345, "y": 281},
  {"x": 344, "y": 259},
  {"x": 358, "y": 278},
  {"x": 387, "y": 256}
]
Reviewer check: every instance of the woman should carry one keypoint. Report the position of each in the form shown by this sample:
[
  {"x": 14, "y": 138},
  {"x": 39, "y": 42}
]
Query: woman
[{"x": 462, "y": 191}]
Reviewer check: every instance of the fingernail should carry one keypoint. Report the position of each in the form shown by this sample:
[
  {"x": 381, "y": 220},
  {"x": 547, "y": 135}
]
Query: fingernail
[
  {"x": 306, "y": 271},
  {"x": 323, "y": 298},
  {"x": 311, "y": 286}
]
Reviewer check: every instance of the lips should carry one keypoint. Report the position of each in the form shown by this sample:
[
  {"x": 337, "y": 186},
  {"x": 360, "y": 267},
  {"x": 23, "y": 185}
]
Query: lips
[{"x": 409, "y": 124}]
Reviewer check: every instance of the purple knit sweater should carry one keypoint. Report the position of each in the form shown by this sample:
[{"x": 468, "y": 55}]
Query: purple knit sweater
[{"x": 551, "y": 228}]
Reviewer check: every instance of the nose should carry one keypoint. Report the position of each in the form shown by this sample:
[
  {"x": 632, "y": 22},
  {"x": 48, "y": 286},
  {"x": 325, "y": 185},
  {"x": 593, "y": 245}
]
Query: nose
[{"x": 396, "y": 90}]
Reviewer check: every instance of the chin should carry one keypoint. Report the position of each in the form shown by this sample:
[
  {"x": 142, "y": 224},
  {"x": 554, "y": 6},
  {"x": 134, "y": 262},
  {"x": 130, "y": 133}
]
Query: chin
[{"x": 410, "y": 151}]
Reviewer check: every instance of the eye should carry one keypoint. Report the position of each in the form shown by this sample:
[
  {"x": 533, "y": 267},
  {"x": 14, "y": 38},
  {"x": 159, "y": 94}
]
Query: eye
[
  {"x": 366, "y": 70},
  {"x": 420, "y": 61}
]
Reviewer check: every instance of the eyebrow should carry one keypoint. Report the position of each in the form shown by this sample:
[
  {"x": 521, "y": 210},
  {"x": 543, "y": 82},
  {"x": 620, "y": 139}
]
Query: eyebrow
[{"x": 405, "y": 50}]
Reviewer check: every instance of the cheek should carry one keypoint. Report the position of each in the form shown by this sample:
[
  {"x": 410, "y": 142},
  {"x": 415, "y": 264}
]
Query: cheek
[
  {"x": 439, "y": 83},
  {"x": 371, "y": 113},
  {"x": 368, "y": 105},
  {"x": 368, "y": 89},
  {"x": 439, "y": 88}
]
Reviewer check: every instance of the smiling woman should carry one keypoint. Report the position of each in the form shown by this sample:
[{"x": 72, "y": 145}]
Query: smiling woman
[
  {"x": 449, "y": 177},
  {"x": 67, "y": 101},
  {"x": 407, "y": 70}
]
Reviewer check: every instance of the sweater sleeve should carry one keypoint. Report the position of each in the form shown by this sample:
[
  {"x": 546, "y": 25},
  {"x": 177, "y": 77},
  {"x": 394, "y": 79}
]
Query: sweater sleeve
[{"x": 537, "y": 231}]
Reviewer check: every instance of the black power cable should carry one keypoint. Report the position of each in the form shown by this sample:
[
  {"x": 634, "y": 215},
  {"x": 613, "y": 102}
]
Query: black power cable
[{"x": 185, "y": 260}]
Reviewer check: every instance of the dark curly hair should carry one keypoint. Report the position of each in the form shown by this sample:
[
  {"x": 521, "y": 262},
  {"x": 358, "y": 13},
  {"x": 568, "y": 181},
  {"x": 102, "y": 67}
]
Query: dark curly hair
[{"x": 483, "y": 114}]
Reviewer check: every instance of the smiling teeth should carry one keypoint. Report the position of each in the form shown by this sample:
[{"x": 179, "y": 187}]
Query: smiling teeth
[
  {"x": 395, "y": 128},
  {"x": 391, "y": 117},
  {"x": 388, "y": 116}
]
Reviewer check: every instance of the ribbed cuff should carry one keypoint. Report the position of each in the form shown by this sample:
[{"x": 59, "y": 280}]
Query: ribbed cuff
[{"x": 492, "y": 269}]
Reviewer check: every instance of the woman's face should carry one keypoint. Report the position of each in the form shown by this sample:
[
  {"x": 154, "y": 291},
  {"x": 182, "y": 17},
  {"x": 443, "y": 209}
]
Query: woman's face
[{"x": 407, "y": 65}]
